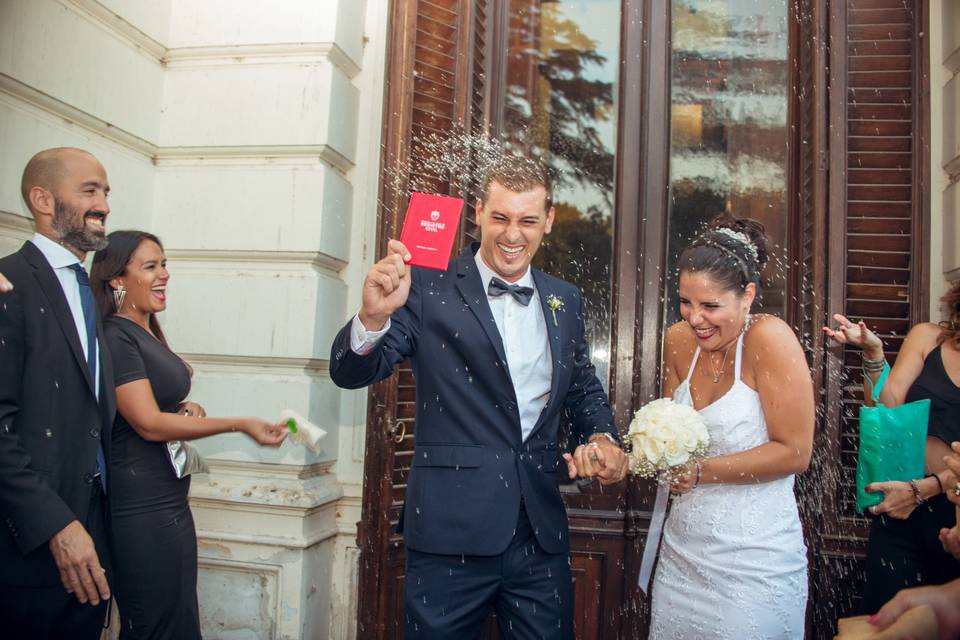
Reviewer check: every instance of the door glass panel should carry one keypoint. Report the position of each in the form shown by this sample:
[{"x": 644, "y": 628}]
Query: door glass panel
[
  {"x": 560, "y": 99},
  {"x": 729, "y": 90}
]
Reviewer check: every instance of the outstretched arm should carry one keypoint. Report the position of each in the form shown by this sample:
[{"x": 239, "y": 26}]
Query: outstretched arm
[
  {"x": 137, "y": 405},
  {"x": 918, "y": 343}
]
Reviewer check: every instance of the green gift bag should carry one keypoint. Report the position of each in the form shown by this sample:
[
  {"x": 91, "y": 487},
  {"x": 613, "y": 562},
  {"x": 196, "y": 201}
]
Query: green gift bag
[{"x": 892, "y": 443}]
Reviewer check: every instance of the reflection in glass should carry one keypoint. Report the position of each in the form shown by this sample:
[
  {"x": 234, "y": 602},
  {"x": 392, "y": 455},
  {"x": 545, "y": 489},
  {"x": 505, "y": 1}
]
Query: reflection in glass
[
  {"x": 729, "y": 128},
  {"x": 560, "y": 98}
]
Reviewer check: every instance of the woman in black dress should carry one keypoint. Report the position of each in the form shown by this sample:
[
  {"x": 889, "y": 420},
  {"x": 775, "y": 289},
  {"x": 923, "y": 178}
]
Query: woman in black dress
[
  {"x": 905, "y": 549},
  {"x": 152, "y": 532}
]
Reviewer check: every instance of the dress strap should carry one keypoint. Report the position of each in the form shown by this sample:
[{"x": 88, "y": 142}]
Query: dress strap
[
  {"x": 693, "y": 364},
  {"x": 739, "y": 356}
]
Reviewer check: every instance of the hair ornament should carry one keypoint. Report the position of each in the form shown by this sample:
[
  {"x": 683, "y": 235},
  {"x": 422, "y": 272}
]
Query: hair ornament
[{"x": 740, "y": 238}]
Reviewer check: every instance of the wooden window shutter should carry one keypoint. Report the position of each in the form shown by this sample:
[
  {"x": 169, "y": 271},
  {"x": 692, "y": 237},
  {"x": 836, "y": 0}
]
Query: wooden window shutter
[{"x": 436, "y": 91}]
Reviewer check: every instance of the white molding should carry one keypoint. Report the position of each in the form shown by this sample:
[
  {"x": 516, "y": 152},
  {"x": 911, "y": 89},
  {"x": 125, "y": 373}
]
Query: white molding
[
  {"x": 952, "y": 168},
  {"x": 272, "y": 470},
  {"x": 20, "y": 95},
  {"x": 214, "y": 55},
  {"x": 952, "y": 62},
  {"x": 64, "y": 113},
  {"x": 15, "y": 224},
  {"x": 242, "y": 566},
  {"x": 265, "y": 495},
  {"x": 252, "y": 154},
  {"x": 259, "y": 365},
  {"x": 276, "y": 53},
  {"x": 272, "y": 261},
  {"x": 120, "y": 28},
  {"x": 271, "y": 579},
  {"x": 263, "y": 539}
]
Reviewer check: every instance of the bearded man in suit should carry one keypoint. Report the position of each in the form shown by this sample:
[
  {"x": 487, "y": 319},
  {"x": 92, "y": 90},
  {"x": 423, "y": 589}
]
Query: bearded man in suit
[{"x": 56, "y": 409}]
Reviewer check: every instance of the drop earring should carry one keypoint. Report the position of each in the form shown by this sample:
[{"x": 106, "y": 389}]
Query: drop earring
[{"x": 118, "y": 295}]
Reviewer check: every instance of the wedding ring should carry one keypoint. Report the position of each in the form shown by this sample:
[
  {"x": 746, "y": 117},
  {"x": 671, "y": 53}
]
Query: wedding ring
[
  {"x": 594, "y": 446},
  {"x": 186, "y": 412},
  {"x": 956, "y": 490}
]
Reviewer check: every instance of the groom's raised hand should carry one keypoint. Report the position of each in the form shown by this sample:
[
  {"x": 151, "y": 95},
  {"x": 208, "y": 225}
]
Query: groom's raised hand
[
  {"x": 600, "y": 458},
  {"x": 386, "y": 287}
]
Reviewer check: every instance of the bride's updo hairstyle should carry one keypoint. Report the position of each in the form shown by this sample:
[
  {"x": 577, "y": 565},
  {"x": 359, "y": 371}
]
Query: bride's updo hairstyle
[{"x": 732, "y": 251}]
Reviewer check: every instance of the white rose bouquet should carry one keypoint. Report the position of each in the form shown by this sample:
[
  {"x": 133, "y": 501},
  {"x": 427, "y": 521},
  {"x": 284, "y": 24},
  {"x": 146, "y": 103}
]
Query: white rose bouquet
[{"x": 664, "y": 435}]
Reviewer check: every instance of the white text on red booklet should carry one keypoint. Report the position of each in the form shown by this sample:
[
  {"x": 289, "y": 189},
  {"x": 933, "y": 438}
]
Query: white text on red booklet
[{"x": 429, "y": 229}]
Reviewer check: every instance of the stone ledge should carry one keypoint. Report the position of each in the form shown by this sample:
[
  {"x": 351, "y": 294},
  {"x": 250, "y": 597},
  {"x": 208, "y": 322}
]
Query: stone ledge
[
  {"x": 124, "y": 30},
  {"x": 274, "y": 53},
  {"x": 46, "y": 104},
  {"x": 266, "y": 487},
  {"x": 287, "y": 506},
  {"x": 16, "y": 224}
]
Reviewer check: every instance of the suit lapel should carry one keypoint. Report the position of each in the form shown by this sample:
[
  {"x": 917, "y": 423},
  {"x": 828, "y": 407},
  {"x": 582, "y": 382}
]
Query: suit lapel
[
  {"x": 53, "y": 291},
  {"x": 554, "y": 334},
  {"x": 471, "y": 289}
]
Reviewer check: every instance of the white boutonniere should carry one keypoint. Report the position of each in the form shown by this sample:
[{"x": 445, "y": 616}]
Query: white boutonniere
[{"x": 554, "y": 304}]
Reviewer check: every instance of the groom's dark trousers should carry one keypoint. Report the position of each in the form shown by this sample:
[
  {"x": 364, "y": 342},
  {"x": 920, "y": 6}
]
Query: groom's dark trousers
[{"x": 484, "y": 523}]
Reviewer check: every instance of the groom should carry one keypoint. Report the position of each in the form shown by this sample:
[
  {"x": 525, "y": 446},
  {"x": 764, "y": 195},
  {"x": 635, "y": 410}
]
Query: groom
[{"x": 498, "y": 353}]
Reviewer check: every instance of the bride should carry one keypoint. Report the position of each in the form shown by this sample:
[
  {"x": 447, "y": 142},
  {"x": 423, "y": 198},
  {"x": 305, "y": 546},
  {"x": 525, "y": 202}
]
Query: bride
[{"x": 733, "y": 562}]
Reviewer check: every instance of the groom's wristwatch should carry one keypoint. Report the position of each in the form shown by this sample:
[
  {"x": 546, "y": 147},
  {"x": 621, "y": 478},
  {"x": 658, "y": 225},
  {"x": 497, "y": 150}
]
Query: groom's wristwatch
[{"x": 603, "y": 434}]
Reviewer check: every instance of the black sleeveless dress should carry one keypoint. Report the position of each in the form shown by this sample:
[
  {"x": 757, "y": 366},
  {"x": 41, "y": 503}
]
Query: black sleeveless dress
[
  {"x": 907, "y": 553},
  {"x": 152, "y": 532}
]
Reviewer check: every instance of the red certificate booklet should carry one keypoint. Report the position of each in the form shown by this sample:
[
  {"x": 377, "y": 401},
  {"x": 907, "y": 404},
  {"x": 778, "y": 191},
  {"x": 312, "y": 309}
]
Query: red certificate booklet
[{"x": 429, "y": 229}]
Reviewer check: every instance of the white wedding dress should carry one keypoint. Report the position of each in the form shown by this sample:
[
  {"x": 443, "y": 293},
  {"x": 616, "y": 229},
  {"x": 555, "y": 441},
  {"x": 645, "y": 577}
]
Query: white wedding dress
[{"x": 733, "y": 563}]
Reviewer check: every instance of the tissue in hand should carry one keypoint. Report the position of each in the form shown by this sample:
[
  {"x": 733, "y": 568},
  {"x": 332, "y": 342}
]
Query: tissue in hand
[{"x": 302, "y": 430}]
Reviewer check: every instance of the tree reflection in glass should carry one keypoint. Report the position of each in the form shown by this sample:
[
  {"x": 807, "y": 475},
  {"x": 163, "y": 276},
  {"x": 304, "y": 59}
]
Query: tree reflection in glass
[
  {"x": 559, "y": 103},
  {"x": 729, "y": 80}
]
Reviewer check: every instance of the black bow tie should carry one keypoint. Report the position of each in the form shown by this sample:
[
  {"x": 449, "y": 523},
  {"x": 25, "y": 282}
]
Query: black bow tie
[{"x": 498, "y": 287}]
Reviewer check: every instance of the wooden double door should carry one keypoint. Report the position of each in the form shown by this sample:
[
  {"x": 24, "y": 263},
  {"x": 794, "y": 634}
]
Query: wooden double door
[{"x": 655, "y": 116}]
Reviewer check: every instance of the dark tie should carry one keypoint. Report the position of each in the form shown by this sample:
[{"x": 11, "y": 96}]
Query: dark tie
[
  {"x": 498, "y": 287},
  {"x": 90, "y": 320}
]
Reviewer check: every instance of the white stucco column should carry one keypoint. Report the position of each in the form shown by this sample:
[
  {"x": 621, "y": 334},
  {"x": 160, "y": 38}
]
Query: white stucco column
[
  {"x": 945, "y": 144},
  {"x": 247, "y": 136}
]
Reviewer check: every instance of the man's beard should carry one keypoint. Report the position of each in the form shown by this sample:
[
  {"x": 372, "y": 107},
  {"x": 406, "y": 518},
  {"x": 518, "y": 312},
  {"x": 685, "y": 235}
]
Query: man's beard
[{"x": 72, "y": 228}]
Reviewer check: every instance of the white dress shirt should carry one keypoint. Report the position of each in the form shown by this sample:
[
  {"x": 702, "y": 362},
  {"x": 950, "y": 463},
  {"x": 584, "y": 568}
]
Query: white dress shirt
[
  {"x": 60, "y": 260},
  {"x": 526, "y": 344}
]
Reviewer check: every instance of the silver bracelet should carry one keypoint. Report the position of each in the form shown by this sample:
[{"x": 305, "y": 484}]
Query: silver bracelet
[
  {"x": 915, "y": 488},
  {"x": 606, "y": 435}
]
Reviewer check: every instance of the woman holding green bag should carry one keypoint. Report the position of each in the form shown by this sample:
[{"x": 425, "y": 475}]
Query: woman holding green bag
[{"x": 904, "y": 548}]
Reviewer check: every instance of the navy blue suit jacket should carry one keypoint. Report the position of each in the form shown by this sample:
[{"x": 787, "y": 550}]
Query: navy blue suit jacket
[
  {"x": 470, "y": 465},
  {"x": 50, "y": 419}
]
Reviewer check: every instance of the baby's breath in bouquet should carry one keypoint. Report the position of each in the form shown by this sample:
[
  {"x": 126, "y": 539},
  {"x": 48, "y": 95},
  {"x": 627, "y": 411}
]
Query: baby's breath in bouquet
[{"x": 665, "y": 436}]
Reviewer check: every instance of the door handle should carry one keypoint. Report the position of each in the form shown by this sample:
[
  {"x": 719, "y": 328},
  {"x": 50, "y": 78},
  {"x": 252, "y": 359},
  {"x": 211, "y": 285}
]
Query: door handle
[{"x": 399, "y": 431}]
